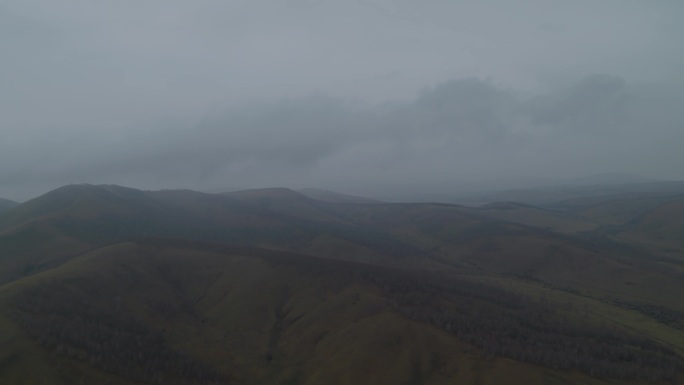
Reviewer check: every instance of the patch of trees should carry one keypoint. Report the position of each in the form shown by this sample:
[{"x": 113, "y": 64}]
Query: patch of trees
[
  {"x": 660, "y": 313},
  {"x": 498, "y": 321},
  {"x": 504, "y": 324},
  {"x": 110, "y": 340}
]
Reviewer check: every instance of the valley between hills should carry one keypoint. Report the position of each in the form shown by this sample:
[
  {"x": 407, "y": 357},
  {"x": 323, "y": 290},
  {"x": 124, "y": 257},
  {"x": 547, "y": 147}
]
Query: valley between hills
[{"x": 103, "y": 284}]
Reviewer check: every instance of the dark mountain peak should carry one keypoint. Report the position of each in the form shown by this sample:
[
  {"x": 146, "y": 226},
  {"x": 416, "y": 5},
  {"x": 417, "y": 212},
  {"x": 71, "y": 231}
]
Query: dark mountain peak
[
  {"x": 94, "y": 194},
  {"x": 77, "y": 190},
  {"x": 77, "y": 200}
]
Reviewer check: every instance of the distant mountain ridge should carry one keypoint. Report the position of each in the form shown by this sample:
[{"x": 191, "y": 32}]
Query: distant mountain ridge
[
  {"x": 270, "y": 286},
  {"x": 612, "y": 178},
  {"x": 334, "y": 197},
  {"x": 418, "y": 235},
  {"x": 6, "y": 204},
  {"x": 553, "y": 195}
]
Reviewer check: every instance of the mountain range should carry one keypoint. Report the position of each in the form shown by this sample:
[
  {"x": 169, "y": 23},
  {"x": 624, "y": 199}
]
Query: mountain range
[
  {"x": 6, "y": 204},
  {"x": 108, "y": 284}
]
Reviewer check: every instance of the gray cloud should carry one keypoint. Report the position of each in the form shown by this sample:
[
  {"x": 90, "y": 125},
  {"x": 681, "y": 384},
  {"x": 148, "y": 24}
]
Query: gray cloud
[
  {"x": 239, "y": 94},
  {"x": 597, "y": 102},
  {"x": 457, "y": 131}
]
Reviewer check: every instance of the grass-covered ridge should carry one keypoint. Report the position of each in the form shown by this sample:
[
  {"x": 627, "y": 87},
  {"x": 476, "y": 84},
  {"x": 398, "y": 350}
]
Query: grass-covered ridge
[
  {"x": 145, "y": 297},
  {"x": 271, "y": 286}
]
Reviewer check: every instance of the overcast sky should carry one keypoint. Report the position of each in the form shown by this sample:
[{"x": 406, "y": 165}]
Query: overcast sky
[{"x": 362, "y": 96}]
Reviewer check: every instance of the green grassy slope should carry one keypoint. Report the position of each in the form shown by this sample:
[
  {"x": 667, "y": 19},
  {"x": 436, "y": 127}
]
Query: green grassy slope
[
  {"x": 651, "y": 220},
  {"x": 460, "y": 237},
  {"x": 662, "y": 226},
  {"x": 616, "y": 209},
  {"x": 269, "y": 287},
  {"x": 555, "y": 220},
  {"x": 163, "y": 311}
]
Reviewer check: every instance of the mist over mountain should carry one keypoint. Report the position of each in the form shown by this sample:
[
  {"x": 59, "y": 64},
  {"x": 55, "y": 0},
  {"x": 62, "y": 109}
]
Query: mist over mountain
[
  {"x": 454, "y": 136},
  {"x": 116, "y": 285},
  {"x": 313, "y": 192},
  {"x": 417, "y": 98}
]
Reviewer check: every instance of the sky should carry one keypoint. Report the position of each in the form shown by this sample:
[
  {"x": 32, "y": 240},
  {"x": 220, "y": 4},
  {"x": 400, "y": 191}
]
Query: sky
[{"x": 358, "y": 96}]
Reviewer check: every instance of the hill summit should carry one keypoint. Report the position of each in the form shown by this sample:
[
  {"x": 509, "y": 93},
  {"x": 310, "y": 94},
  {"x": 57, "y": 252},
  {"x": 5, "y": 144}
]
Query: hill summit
[{"x": 108, "y": 284}]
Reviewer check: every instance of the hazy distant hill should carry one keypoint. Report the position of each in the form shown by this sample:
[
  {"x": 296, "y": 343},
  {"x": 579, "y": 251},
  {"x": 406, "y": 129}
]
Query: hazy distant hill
[
  {"x": 334, "y": 197},
  {"x": 521, "y": 189},
  {"x": 556, "y": 220},
  {"x": 553, "y": 196},
  {"x": 73, "y": 219},
  {"x": 271, "y": 286},
  {"x": 287, "y": 202},
  {"x": 614, "y": 178},
  {"x": 6, "y": 204},
  {"x": 661, "y": 225},
  {"x": 61, "y": 224}
]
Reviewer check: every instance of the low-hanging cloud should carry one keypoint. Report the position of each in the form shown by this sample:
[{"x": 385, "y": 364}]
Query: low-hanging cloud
[
  {"x": 455, "y": 132},
  {"x": 154, "y": 94}
]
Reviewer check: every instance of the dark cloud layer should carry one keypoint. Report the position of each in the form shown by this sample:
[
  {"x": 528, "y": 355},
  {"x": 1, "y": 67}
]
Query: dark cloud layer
[{"x": 364, "y": 96}]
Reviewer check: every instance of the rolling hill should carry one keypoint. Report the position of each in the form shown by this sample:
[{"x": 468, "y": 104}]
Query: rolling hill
[
  {"x": 552, "y": 196},
  {"x": 562, "y": 221},
  {"x": 208, "y": 313},
  {"x": 6, "y": 204},
  {"x": 334, "y": 197},
  {"x": 271, "y": 286},
  {"x": 67, "y": 222},
  {"x": 662, "y": 226}
]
